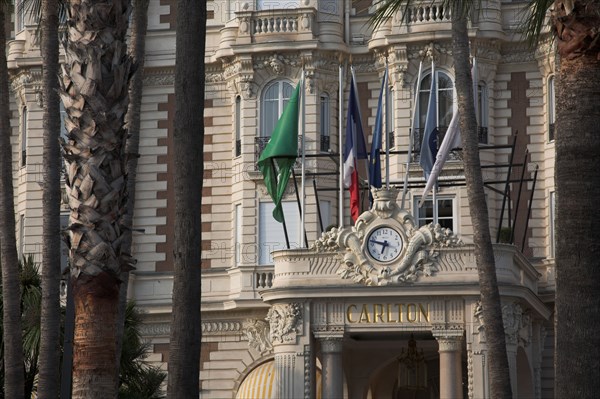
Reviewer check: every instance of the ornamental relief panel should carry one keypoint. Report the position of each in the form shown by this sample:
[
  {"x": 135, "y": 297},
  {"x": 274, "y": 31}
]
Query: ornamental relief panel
[
  {"x": 385, "y": 246},
  {"x": 284, "y": 322}
]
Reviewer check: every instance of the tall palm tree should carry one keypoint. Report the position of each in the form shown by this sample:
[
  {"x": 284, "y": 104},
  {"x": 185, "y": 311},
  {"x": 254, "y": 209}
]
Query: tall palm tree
[
  {"x": 137, "y": 50},
  {"x": 94, "y": 90},
  {"x": 13, "y": 345},
  {"x": 184, "y": 349},
  {"x": 484, "y": 256},
  {"x": 49, "y": 357},
  {"x": 577, "y": 177}
]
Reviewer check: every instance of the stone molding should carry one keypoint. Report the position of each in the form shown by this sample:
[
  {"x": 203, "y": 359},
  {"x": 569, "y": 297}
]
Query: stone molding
[{"x": 450, "y": 344}]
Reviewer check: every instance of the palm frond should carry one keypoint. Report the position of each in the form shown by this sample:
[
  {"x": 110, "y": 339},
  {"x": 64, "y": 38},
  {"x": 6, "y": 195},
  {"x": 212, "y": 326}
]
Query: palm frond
[{"x": 534, "y": 21}]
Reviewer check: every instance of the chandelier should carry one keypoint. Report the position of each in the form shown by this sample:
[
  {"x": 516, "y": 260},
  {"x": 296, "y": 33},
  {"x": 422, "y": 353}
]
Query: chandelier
[{"x": 412, "y": 370}]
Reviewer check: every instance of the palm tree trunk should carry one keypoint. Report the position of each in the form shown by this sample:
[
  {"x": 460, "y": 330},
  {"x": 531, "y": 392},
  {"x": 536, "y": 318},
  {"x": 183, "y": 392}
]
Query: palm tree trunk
[
  {"x": 577, "y": 177},
  {"x": 137, "y": 50},
  {"x": 184, "y": 350},
  {"x": 94, "y": 90},
  {"x": 484, "y": 256},
  {"x": 49, "y": 358},
  {"x": 13, "y": 344}
]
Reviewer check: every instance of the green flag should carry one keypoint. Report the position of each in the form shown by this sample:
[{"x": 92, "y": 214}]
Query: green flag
[{"x": 278, "y": 157}]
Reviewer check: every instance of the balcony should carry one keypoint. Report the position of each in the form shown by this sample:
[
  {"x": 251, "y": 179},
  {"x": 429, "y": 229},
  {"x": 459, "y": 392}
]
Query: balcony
[{"x": 271, "y": 26}]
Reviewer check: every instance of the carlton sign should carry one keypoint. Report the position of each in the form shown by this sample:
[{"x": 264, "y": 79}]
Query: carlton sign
[{"x": 387, "y": 313}]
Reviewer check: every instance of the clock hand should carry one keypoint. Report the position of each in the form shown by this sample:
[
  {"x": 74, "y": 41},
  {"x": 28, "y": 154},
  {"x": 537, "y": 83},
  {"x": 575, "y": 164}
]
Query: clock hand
[
  {"x": 378, "y": 242},
  {"x": 383, "y": 246}
]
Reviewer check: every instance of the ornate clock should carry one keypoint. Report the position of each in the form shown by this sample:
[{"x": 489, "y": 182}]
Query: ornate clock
[{"x": 384, "y": 244}]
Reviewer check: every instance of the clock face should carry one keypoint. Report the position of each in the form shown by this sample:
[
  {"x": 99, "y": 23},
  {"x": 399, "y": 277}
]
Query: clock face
[{"x": 384, "y": 244}]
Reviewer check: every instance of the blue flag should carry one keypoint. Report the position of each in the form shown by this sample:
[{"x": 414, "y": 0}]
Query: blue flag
[
  {"x": 430, "y": 131},
  {"x": 375, "y": 159}
]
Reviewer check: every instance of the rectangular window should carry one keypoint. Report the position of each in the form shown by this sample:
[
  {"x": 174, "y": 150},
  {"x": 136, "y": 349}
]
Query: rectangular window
[
  {"x": 238, "y": 127},
  {"x": 238, "y": 233},
  {"x": 325, "y": 123},
  {"x": 271, "y": 235},
  {"x": 443, "y": 213},
  {"x": 24, "y": 137},
  {"x": 551, "y": 108},
  {"x": 482, "y": 113},
  {"x": 552, "y": 206},
  {"x": 390, "y": 117}
]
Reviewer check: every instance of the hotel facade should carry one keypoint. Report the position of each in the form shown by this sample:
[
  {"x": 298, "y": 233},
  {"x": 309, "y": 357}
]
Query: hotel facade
[{"x": 334, "y": 318}]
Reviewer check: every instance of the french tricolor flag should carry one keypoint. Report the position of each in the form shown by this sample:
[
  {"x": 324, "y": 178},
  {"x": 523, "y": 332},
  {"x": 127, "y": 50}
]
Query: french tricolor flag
[{"x": 354, "y": 150}]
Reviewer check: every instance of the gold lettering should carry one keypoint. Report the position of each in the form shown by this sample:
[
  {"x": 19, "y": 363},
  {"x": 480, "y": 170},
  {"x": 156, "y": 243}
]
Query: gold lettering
[
  {"x": 349, "y": 313},
  {"x": 389, "y": 313},
  {"x": 413, "y": 312},
  {"x": 400, "y": 318},
  {"x": 424, "y": 311},
  {"x": 377, "y": 314},
  {"x": 364, "y": 315}
]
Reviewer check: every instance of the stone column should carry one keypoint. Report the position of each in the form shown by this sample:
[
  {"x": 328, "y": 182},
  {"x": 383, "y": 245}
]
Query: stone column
[
  {"x": 332, "y": 372},
  {"x": 450, "y": 349}
]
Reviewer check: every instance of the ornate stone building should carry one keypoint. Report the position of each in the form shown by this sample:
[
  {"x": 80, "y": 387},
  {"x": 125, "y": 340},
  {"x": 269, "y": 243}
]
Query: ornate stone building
[{"x": 336, "y": 320}]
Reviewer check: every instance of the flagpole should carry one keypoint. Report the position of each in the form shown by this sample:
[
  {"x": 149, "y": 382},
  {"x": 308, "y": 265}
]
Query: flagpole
[
  {"x": 303, "y": 240},
  {"x": 285, "y": 232},
  {"x": 387, "y": 126},
  {"x": 411, "y": 134},
  {"x": 340, "y": 146}
]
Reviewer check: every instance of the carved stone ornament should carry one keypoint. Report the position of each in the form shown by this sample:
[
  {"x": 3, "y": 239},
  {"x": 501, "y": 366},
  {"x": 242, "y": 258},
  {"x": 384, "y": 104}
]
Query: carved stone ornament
[
  {"x": 418, "y": 256},
  {"x": 517, "y": 325},
  {"x": 257, "y": 332},
  {"x": 284, "y": 322}
]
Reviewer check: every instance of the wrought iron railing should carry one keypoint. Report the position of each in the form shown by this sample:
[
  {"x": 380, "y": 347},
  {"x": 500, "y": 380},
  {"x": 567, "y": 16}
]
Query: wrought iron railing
[
  {"x": 418, "y": 139},
  {"x": 261, "y": 142}
]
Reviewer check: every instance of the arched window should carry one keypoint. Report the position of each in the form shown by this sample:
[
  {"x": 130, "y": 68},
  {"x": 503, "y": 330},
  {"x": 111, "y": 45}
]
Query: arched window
[
  {"x": 551, "y": 108},
  {"x": 275, "y": 97},
  {"x": 325, "y": 122},
  {"x": 482, "y": 112},
  {"x": 445, "y": 105}
]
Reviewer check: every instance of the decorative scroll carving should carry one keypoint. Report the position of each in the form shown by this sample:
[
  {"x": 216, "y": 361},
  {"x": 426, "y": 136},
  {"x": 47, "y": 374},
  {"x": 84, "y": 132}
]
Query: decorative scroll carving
[
  {"x": 419, "y": 257},
  {"x": 283, "y": 322},
  {"x": 257, "y": 332}
]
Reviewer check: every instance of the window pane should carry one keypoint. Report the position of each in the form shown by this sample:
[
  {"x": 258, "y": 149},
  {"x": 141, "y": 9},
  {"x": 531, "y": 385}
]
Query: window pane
[
  {"x": 270, "y": 232},
  {"x": 444, "y": 81},
  {"x": 445, "y": 208},
  {"x": 445, "y": 103}
]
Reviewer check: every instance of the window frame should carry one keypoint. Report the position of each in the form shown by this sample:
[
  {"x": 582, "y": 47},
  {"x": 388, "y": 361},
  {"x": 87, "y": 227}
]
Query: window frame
[
  {"x": 292, "y": 219},
  {"x": 238, "y": 126},
  {"x": 435, "y": 210},
  {"x": 552, "y": 224},
  {"x": 281, "y": 103},
  {"x": 551, "y": 108},
  {"x": 325, "y": 122},
  {"x": 482, "y": 112},
  {"x": 422, "y": 114},
  {"x": 24, "y": 128}
]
